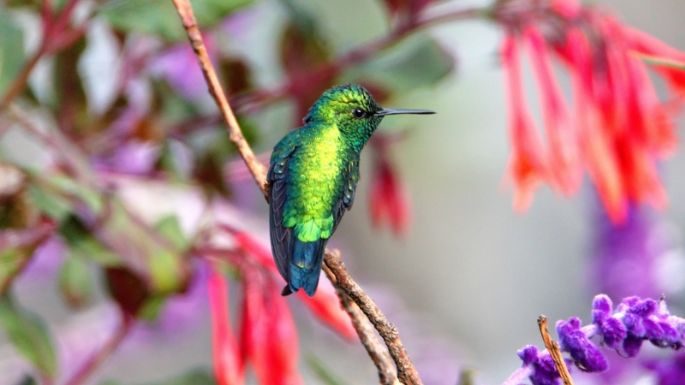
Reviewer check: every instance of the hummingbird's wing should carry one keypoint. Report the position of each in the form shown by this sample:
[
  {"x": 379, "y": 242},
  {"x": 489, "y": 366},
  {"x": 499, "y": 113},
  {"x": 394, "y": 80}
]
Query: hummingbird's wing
[
  {"x": 351, "y": 178},
  {"x": 281, "y": 237}
]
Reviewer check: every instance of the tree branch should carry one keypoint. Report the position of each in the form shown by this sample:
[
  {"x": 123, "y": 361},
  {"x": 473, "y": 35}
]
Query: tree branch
[
  {"x": 387, "y": 374},
  {"x": 343, "y": 281}
]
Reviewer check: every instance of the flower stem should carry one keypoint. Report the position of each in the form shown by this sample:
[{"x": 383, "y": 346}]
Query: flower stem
[{"x": 554, "y": 351}]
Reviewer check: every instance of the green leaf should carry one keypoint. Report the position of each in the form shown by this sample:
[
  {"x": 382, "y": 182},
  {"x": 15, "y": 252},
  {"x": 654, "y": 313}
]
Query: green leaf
[
  {"x": 11, "y": 260},
  {"x": 29, "y": 336},
  {"x": 55, "y": 206},
  {"x": 75, "y": 281},
  {"x": 69, "y": 186},
  {"x": 166, "y": 272},
  {"x": 158, "y": 17},
  {"x": 152, "y": 307},
  {"x": 83, "y": 244},
  {"x": 419, "y": 62},
  {"x": 164, "y": 266},
  {"x": 170, "y": 228},
  {"x": 11, "y": 50}
]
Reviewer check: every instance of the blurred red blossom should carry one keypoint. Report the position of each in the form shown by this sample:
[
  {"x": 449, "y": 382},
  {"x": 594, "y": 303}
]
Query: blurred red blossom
[
  {"x": 268, "y": 338},
  {"x": 620, "y": 128},
  {"x": 324, "y": 304},
  {"x": 388, "y": 199},
  {"x": 268, "y": 334},
  {"x": 228, "y": 365}
]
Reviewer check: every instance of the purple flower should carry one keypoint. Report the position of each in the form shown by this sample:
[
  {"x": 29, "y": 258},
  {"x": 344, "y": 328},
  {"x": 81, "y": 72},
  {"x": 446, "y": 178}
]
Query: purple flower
[
  {"x": 585, "y": 354},
  {"x": 634, "y": 321},
  {"x": 544, "y": 372}
]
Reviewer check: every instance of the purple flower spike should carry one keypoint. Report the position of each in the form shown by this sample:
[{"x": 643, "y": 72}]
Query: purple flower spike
[
  {"x": 612, "y": 331},
  {"x": 528, "y": 354},
  {"x": 601, "y": 307},
  {"x": 632, "y": 322},
  {"x": 632, "y": 345},
  {"x": 573, "y": 340},
  {"x": 543, "y": 370}
]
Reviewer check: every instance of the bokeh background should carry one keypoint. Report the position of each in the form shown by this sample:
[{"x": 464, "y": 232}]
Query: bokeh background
[{"x": 467, "y": 280}]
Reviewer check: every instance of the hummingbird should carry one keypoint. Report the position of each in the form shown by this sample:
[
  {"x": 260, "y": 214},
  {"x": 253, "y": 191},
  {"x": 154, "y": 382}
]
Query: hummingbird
[{"x": 313, "y": 174}]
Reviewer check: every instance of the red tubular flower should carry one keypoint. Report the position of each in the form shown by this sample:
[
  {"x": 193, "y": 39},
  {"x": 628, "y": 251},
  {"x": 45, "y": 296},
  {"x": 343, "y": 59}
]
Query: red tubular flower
[
  {"x": 268, "y": 335},
  {"x": 526, "y": 164},
  {"x": 388, "y": 200},
  {"x": 654, "y": 48},
  {"x": 563, "y": 154},
  {"x": 324, "y": 304},
  {"x": 621, "y": 128},
  {"x": 228, "y": 367}
]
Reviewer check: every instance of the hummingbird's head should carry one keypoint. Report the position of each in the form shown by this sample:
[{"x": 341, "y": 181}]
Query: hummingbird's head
[{"x": 353, "y": 110}]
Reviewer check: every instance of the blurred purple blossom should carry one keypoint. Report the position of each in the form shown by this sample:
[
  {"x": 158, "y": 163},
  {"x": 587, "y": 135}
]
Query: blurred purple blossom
[
  {"x": 669, "y": 371},
  {"x": 46, "y": 261},
  {"x": 238, "y": 22},
  {"x": 133, "y": 157},
  {"x": 625, "y": 255},
  {"x": 178, "y": 65}
]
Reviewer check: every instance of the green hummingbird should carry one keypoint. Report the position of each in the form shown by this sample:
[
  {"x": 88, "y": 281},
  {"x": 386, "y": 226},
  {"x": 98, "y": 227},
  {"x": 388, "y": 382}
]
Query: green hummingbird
[{"x": 312, "y": 178}]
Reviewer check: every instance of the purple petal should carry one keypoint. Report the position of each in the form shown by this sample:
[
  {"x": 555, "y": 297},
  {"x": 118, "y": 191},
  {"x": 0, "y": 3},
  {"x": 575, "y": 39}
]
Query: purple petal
[
  {"x": 631, "y": 345},
  {"x": 528, "y": 354},
  {"x": 601, "y": 307},
  {"x": 585, "y": 354},
  {"x": 613, "y": 332}
]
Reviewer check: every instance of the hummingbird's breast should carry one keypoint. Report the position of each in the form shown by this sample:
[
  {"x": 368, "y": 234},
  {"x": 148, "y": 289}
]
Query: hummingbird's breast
[{"x": 316, "y": 185}]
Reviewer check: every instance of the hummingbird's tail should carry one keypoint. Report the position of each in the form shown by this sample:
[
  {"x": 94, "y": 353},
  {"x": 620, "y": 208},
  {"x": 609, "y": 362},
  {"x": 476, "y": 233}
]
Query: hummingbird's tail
[{"x": 305, "y": 266}]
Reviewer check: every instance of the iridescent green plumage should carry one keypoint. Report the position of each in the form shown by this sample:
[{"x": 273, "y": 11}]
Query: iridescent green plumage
[{"x": 312, "y": 178}]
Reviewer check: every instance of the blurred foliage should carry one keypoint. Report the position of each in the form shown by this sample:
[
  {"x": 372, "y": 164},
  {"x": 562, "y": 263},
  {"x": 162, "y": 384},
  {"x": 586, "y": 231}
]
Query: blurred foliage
[
  {"x": 155, "y": 125},
  {"x": 29, "y": 336},
  {"x": 159, "y": 18},
  {"x": 11, "y": 49}
]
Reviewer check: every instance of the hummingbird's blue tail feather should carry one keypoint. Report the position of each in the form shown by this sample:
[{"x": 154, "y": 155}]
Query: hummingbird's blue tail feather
[{"x": 305, "y": 266}]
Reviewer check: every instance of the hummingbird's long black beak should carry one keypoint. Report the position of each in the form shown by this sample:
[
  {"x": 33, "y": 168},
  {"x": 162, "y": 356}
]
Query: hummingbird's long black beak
[{"x": 400, "y": 111}]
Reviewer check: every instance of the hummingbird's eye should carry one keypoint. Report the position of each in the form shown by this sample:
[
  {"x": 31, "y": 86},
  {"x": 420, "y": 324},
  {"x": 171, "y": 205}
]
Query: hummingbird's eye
[{"x": 358, "y": 113}]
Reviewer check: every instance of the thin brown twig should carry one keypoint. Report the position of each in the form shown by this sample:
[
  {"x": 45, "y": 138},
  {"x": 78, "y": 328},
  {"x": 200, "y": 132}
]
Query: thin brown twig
[
  {"x": 103, "y": 353},
  {"x": 387, "y": 374},
  {"x": 554, "y": 351},
  {"x": 343, "y": 281}
]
